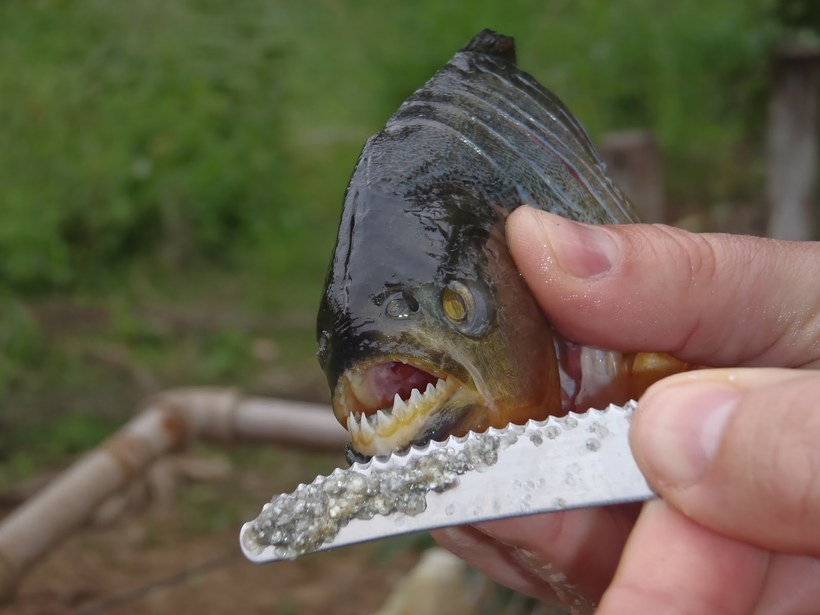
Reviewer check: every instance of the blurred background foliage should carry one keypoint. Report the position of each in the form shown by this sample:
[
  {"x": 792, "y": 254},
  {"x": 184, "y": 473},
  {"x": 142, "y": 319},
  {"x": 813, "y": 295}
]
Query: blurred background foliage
[{"x": 171, "y": 173}]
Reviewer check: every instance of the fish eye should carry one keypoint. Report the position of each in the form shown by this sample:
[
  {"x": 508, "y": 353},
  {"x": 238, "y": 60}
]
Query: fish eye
[
  {"x": 457, "y": 302},
  {"x": 468, "y": 308}
]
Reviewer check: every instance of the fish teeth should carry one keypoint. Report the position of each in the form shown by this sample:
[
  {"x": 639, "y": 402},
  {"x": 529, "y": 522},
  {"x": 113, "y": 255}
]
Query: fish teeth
[
  {"x": 400, "y": 408},
  {"x": 383, "y": 422},
  {"x": 392, "y": 427},
  {"x": 366, "y": 429}
]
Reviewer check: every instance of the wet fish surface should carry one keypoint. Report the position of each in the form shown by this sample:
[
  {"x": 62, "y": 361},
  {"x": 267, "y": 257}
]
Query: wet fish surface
[{"x": 425, "y": 328}]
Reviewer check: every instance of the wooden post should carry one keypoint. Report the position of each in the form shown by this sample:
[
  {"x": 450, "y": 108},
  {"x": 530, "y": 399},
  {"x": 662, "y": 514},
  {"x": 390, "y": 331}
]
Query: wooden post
[
  {"x": 634, "y": 162},
  {"x": 792, "y": 143}
]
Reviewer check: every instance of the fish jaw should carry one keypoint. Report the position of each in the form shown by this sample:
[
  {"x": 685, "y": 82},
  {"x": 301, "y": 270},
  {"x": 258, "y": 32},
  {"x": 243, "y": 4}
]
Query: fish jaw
[{"x": 438, "y": 405}]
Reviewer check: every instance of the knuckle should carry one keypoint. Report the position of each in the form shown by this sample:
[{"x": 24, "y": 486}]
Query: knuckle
[
  {"x": 701, "y": 260},
  {"x": 697, "y": 271},
  {"x": 714, "y": 271},
  {"x": 696, "y": 255}
]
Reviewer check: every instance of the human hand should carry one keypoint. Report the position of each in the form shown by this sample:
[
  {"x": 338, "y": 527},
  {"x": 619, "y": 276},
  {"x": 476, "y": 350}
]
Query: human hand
[{"x": 734, "y": 453}]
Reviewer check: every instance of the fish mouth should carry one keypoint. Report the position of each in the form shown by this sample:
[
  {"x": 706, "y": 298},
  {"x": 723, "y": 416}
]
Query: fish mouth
[{"x": 392, "y": 404}]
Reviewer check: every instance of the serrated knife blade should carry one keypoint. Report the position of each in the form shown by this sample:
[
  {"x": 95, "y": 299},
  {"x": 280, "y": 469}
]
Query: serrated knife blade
[{"x": 574, "y": 461}]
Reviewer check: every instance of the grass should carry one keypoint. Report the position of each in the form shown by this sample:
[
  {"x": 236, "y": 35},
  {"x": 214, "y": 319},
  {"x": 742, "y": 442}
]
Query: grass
[{"x": 172, "y": 172}]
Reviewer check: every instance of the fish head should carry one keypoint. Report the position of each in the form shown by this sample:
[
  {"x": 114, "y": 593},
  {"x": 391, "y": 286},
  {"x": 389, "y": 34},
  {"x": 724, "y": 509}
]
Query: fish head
[{"x": 426, "y": 329}]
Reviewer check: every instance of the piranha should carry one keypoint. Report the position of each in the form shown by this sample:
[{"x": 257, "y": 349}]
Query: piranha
[{"x": 425, "y": 328}]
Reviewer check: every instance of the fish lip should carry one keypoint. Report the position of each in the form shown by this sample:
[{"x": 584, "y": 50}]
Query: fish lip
[{"x": 433, "y": 413}]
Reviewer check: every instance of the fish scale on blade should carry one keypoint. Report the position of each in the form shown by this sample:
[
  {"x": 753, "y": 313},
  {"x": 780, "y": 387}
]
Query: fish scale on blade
[{"x": 577, "y": 460}]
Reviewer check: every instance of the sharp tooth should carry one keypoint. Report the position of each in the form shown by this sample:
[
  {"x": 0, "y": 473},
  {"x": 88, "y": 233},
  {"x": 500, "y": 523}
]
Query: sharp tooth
[
  {"x": 367, "y": 430},
  {"x": 399, "y": 407},
  {"x": 415, "y": 397},
  {"x": 383, "y": 421},
  {"x": 441, "y": 384},
  {"x": 402, "y": 411},
  {"x": 430, "y": 390},
  {"x": 352, "y": 426}
]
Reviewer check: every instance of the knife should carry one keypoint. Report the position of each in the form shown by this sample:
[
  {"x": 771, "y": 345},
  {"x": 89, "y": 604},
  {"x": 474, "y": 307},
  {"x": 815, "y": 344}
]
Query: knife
[{"x": 574, "y": 461}]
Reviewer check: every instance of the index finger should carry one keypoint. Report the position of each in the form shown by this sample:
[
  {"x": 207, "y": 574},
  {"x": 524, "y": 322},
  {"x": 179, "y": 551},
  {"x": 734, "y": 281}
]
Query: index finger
[{"x": 713, "y": 299}]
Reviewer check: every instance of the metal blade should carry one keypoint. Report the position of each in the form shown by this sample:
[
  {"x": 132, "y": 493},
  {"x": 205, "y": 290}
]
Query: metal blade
[{"x": 575, "y": 461}]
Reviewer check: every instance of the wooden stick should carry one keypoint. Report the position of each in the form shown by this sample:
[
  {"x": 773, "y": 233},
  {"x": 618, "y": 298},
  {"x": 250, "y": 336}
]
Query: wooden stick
[
  {"x": 169, "y": 422},
  {"x": 792, "y": 143}
]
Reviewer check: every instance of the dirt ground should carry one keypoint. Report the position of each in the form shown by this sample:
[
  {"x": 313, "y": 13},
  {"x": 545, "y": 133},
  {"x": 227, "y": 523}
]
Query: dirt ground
[
  {"x": 99, "y": 572},
  {"x": 182, "y": 557},
  {"x": 117, "y": 570}
]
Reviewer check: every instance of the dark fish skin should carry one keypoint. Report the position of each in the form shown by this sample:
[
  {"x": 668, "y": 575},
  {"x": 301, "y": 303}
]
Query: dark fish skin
[{"x": 425, "y": 207}]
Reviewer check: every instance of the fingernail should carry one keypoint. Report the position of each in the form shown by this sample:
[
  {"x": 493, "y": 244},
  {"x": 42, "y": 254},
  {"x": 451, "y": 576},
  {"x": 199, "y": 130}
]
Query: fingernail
[
  {"x": 582, "y": 250},
  {"x": 682, "y": 429}
]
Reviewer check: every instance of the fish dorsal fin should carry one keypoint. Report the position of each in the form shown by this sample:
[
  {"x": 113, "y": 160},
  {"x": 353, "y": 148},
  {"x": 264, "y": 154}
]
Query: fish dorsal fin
[{"x": 489, "y": 42}]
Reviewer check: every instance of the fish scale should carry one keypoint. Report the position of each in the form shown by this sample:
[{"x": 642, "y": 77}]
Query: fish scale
[{"x": 574, "y": 461}]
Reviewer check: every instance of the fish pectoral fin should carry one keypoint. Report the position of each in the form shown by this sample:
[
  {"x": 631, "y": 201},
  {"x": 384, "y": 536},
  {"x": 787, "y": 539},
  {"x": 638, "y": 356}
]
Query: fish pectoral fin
[{"x": 646, "y": 368}]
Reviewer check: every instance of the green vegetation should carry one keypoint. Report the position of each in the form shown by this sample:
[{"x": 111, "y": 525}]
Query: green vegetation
[{"x": 171, "y": 172}]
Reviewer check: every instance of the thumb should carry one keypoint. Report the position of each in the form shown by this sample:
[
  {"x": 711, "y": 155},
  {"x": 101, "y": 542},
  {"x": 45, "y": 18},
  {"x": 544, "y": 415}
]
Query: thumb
[{"x": 738, "y": 451}]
